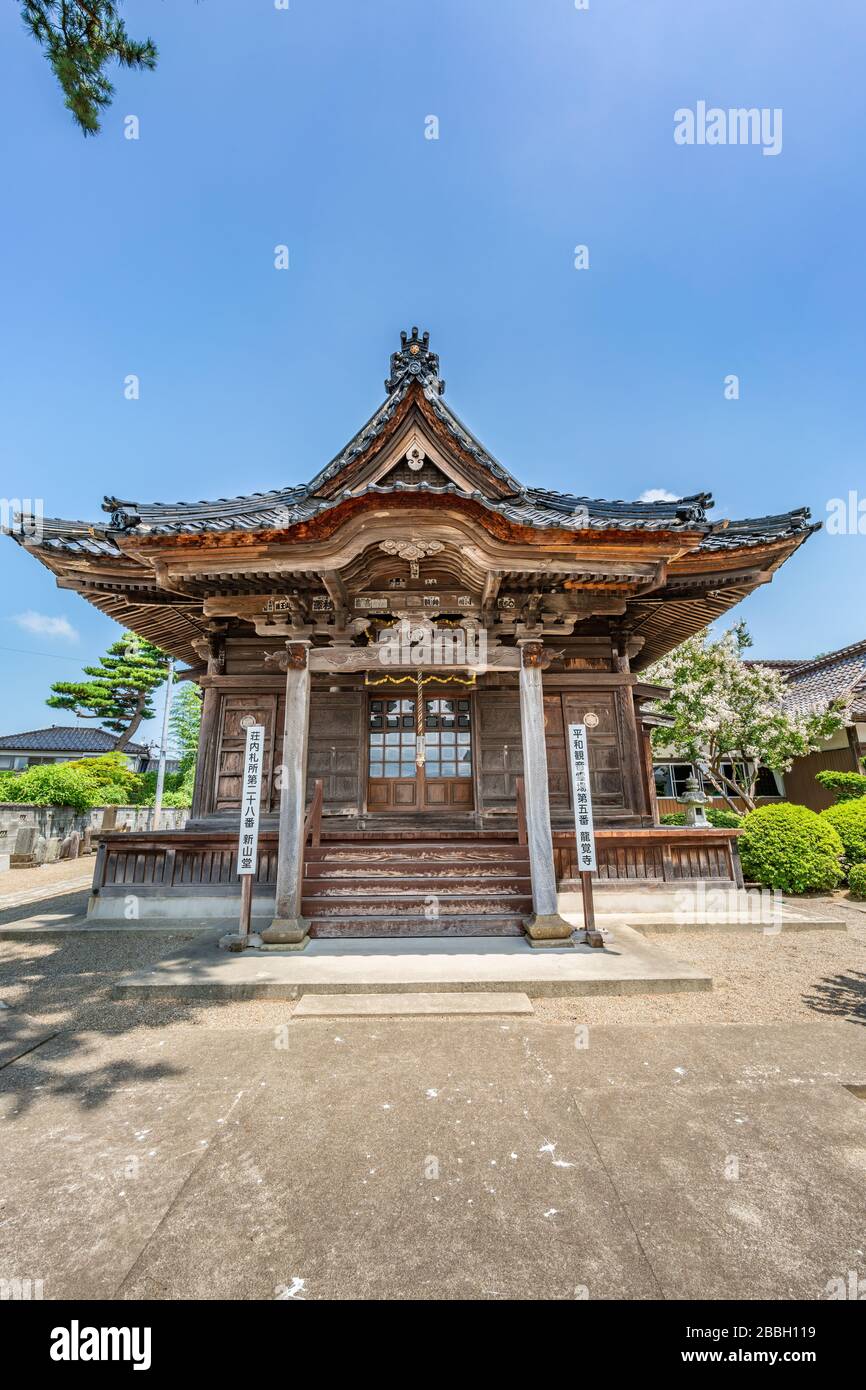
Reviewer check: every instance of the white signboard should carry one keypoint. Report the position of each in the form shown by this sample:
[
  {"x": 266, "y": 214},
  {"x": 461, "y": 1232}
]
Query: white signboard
[
  {"x": 251, "y": 791},
  {"x": 578, "y": 750}
]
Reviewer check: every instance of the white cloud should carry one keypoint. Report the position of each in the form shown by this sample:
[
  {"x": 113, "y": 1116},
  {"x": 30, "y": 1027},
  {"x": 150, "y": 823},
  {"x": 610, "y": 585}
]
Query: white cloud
[
  {"x": 46, "y": 626},
  {"x": 658, "y": 494}
]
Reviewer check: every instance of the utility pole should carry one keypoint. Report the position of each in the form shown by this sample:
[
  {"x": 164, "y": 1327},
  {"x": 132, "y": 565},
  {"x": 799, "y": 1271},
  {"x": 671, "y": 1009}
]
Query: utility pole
[{"x": 160, "y": 776}]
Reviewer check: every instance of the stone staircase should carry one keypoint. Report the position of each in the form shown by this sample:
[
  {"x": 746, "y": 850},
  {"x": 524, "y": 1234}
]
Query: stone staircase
[{"x": 411, "y": 884}]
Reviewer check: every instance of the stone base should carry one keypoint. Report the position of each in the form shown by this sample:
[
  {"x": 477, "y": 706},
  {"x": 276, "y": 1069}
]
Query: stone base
[
  {"x": 287, "y": 931},
  {"x": 550, "y": 930}
]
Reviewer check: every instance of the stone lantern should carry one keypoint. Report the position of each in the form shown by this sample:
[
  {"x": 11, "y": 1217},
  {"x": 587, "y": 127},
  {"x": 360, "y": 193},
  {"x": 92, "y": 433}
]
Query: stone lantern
[{"x": 694, "y": 801}]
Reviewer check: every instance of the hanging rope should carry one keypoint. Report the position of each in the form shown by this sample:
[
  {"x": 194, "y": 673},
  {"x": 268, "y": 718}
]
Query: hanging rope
[{"x": 420, "y": 748}]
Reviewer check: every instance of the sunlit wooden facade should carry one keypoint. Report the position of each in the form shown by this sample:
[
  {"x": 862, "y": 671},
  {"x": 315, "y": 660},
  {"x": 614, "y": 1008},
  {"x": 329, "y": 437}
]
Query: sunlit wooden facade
[{"x": 415, "y": 629}]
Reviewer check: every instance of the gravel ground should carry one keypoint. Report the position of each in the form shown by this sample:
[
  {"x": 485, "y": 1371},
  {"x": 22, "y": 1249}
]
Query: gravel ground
[{"x": 791, "y": 977}]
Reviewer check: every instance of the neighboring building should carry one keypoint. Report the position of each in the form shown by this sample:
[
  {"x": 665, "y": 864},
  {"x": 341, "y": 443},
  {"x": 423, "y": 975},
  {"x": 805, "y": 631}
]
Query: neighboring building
[
  {"x": 538, "y": 610},
  {"x": 63, "y": 744},
  {"x": 839, "y": 675},
  {"x": 812, "y": 686},
  {"x": 172, "y": 765},
  {"x": 671, "y": 775}
]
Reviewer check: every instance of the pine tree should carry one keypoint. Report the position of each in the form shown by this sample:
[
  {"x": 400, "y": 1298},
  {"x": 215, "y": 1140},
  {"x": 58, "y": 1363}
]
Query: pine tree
[
  {"x": 80, "y": 39},
  {"x": 118, "y": 693}
]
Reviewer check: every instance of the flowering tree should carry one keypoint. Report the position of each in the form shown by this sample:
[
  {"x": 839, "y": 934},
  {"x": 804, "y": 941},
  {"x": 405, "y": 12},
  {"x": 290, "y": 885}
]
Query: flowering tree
[{"x": 728, "y": 711}]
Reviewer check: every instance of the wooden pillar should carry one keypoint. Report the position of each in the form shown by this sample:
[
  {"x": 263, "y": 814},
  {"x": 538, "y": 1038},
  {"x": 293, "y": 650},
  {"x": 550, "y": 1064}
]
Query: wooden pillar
[
  {"x": 649, "y": 776},
  {"x": 202, "y": 797},
  {"x": 213, "y": 648},
  {"x": 289, "y": 927},
  {"x": 546, "y": 927}
]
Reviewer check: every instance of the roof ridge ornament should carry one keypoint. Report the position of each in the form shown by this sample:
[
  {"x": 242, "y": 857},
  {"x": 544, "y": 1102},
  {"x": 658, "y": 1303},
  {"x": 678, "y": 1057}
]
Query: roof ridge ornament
[{"x": 416, "y": 362}]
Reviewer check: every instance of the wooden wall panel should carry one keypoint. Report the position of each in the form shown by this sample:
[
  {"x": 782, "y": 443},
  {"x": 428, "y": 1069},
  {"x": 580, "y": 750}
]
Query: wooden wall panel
[
  {"x": 265, "y": 707},
  {"x": 499, "y": 747},
  {"x": 336, "y": 747},
  {"x": 607, "y": 780}
]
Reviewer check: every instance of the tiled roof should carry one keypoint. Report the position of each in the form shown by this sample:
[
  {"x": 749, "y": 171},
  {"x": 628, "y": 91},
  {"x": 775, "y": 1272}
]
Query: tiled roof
[
  {"x": 759, "y": 530},
  {"x": 61, "y": 738},
  {"x": 413, "y": 367},
  {"x": 288, "y": 506},
  {"x": 535, "y": 507},
  {"x": 839, "y": 675}
]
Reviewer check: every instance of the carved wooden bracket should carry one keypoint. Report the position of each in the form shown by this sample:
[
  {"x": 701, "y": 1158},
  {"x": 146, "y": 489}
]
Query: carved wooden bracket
[
  {"x": 296, "y": 656},
  {"x": 536, "y": 657}
]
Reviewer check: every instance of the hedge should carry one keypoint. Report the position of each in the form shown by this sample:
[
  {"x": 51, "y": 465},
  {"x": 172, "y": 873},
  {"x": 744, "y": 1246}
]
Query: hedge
[
  {"x": 791, "y": 848},
  {"x": 847, "y": 785},
  {"x": 719, "y": 819},
  {"x": 857, "y": 880},
  {"x": 848, "y": 818}
]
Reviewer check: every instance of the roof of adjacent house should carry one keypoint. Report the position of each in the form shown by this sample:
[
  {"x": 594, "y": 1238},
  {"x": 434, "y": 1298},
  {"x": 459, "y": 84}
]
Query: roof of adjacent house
[
  {"x": 62, "y": 738},
  {"x": 839, "y": 675}
]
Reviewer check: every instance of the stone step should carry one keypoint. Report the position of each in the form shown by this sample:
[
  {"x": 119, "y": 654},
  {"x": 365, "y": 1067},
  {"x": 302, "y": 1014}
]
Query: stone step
[
  {"x": 373, "y": 925},
  {"x": 412, "y": 1003}
]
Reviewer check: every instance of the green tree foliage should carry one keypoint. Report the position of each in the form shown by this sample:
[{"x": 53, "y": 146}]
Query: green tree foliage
[
  {"x": 53, "y": 784},
  {"x": 791, "y": 848},
  {"x": 88, "y": 782},
  {"x": 847, "y": 785},
  {"x": 848, "y": 818},
  {"x": 185, "y": 722},
  {"x": 730, "y": 713},
  {"x": 80, "y": 38},
  {"x": 119, "y": 689}
]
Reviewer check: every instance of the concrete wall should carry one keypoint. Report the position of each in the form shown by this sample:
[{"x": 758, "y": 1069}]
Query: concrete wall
[{"x": 60, "y": 821}]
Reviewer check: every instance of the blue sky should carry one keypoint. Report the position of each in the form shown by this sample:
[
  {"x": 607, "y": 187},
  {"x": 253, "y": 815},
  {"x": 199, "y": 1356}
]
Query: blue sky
[{"x": 307, "y": 127}]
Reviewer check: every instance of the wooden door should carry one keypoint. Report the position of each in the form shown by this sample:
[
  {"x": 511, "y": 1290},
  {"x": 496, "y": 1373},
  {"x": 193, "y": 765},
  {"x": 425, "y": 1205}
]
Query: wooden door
[
  {"x": 447, "y": 772},
  {"x": 392, "y": 773},
  {"x": 396, "y": 781}
]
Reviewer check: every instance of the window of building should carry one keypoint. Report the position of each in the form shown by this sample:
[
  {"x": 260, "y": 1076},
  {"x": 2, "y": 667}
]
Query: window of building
[{"x": 671, "y": 778}]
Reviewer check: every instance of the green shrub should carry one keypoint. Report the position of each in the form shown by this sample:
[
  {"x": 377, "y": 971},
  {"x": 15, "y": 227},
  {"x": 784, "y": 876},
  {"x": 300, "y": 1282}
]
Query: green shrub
[
  {"x": 791, "y": 848},
  {"x": 848, "y": 818},
  {"x": 108, "y": 770},
  {"x": 719, "y": 819},
  {"x": 857, "y": 880},
  {"x": 87, "y": 782},
  {"x": 847, "y": 785},
  {"x": 53, "y": 784}
]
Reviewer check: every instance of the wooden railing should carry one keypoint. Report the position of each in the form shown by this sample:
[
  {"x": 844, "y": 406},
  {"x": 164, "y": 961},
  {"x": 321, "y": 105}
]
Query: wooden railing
[
  {"x": 522, "y": 835},
  {"x": 313, "y": 820},
  {"x": 204, "y": 862},
  {"x": 662, "y": 854}
]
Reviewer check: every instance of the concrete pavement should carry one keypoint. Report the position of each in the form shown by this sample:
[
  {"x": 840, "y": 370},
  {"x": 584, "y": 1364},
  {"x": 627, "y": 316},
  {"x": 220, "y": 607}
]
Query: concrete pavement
[{"x": 437, "y": 1159}]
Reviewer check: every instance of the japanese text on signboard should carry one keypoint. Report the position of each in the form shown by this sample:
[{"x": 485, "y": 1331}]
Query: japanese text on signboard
[
  {"x": 251, "y": 790},
  {"x": 579, "y": 755}
]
